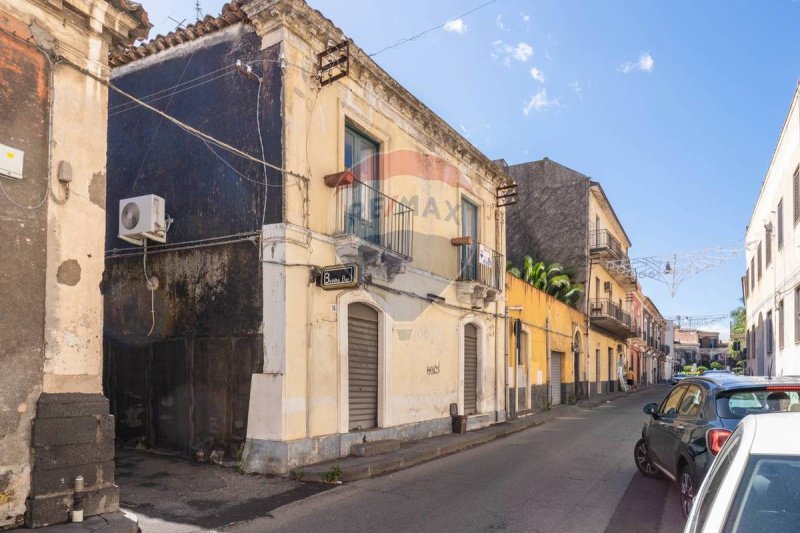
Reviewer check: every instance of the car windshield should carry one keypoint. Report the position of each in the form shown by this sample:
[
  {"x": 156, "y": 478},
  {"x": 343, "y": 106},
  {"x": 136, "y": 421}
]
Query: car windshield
[
  {"x": 738, "y": 404},
  {"x": 768, "y": 498}
]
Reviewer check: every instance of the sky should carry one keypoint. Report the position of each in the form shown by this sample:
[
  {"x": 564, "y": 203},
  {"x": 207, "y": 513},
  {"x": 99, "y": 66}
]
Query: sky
[{"x": 674, "y": 107}]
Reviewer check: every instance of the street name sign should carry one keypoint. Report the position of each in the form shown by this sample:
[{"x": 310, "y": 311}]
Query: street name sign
[{"x": 339, "y": 277}]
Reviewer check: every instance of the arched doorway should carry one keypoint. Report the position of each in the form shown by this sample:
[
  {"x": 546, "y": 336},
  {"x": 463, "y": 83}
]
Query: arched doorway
[{"x": 362, "y": 366}]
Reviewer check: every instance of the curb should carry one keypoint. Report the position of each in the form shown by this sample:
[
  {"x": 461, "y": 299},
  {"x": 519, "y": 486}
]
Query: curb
[{"x": 413, "y": 453}]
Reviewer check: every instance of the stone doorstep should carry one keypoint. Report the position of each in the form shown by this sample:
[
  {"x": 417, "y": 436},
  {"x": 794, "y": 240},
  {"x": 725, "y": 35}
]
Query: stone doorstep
[
  {"x": 377, "y": 447},
  {"x": 416, "y": 452}
]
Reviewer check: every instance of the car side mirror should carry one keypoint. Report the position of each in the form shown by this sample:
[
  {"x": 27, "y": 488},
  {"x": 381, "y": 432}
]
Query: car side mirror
[{"x": 651, "y": 409}]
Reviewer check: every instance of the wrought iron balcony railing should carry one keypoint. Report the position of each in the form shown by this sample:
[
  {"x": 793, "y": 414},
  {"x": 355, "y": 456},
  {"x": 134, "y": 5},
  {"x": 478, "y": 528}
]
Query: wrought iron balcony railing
[
  {"x": 605, "y": 308},
  {"x": 374, "y": 217},
  {"x": 480, "y": 263},
  {"x": 602, "y": 241}
]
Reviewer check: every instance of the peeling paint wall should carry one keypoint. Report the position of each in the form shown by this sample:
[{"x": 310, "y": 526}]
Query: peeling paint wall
[{"x": 51, "y": 266}]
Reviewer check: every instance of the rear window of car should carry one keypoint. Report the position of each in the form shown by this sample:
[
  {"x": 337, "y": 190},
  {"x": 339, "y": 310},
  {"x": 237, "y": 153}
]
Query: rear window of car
[
  {"x": 768, "y": 497},
  {"x": 739, "y": 404}
]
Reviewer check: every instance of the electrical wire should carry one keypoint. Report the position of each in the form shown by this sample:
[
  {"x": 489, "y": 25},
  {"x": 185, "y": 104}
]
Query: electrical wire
[
  {"x": 151, "y": 286},
  {"x": 261, "y": 143},
  {"x": 119, "y": 253},
  {"x": 425, "y": 32},
  {"x": 167, "y": 89},
  {"x": 131, "y": 106},
  {"x": 46, "y": 53},
  {"x": 158, "y": 126}
]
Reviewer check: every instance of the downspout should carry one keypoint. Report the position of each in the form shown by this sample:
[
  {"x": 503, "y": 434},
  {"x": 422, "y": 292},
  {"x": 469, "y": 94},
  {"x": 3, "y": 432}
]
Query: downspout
[
  {"x": 588, "y": 285},
  {"x": 548, "y": 356},
  {"x": 498, "y": 223}
]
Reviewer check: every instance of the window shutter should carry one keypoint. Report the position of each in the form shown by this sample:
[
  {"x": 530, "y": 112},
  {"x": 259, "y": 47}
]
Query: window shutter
[{"x": 796, "y": 194}]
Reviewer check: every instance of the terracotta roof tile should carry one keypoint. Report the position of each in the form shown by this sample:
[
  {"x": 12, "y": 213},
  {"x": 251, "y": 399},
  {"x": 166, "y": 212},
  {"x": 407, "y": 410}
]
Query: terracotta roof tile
[
  {"x": 232, "y": 13},
  {"x": 136, "y": 10}
]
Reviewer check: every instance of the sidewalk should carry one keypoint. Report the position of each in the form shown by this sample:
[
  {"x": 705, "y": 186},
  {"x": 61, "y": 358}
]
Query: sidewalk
[{"x": 415, "y": 452}]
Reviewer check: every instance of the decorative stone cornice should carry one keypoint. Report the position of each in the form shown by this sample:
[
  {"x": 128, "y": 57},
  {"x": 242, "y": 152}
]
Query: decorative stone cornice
[{"x": 319, "y": 32}]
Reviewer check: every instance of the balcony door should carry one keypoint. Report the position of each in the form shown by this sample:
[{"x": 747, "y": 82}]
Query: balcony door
[
  {"x": 364, "y": 212},
  {"x": 469, "y": 228}
]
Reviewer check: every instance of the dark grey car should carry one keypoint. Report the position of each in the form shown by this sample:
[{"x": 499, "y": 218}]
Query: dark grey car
[{"x": 687, "y": 430}]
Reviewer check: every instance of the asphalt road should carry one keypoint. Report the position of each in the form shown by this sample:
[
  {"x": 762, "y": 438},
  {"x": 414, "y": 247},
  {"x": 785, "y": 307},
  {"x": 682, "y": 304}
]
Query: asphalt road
[{"x": 575, "y": 474}]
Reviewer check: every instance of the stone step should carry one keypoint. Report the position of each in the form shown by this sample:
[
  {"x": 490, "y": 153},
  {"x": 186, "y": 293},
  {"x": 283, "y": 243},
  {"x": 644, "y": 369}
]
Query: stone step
[{"x": 377, "y": 447}]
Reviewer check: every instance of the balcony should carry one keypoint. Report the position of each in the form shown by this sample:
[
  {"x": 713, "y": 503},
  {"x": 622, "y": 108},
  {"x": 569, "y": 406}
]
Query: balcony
[
  {"x": 603, "y": 244},
  {"x": 373, "y": 230},
  {"x": 609, "y": 316},
  {"x": 480, "y": 271}
]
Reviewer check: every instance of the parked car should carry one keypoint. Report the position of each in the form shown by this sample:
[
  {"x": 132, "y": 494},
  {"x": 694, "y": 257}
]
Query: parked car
[
  {"x": 754, "y": 483},
  {"x": 716, "y": 371},
  {"x": 677, "y": 377},
  {"x": 690, "y": 426}
]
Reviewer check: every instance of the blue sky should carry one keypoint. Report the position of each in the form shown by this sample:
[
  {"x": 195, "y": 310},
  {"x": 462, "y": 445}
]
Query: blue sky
[{"x": 675, "y": 107}]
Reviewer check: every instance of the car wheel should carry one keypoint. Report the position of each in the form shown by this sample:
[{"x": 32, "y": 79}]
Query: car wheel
[
  {"x": 643, "y": 462},
  {"x": 688, "y": 489}
]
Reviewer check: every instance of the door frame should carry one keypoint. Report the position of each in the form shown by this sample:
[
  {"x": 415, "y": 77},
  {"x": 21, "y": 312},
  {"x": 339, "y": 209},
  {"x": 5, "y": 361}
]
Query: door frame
[
  {"x": 479, "y": 392},
  {"x": 385, "y": 325}
]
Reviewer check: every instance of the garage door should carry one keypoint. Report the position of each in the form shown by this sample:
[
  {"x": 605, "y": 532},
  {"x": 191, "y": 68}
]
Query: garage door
[
  {"x": 555, "y": 378},
  {"x": 470, "y": 369},
  {"x": 362, "y": 347}
]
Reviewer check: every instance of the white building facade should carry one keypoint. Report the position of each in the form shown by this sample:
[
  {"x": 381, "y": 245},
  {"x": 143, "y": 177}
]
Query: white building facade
[{"x": 772, "y": 275}]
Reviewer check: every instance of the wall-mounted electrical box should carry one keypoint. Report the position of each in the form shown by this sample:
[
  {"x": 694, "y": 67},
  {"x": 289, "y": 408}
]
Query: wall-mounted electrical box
[{"x": 11, "y": 162}]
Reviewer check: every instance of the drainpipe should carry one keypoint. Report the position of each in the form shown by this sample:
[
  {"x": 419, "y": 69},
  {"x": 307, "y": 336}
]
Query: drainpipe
[
  {"x": 505, "y": 362},
  {"x": 77, "y": 500},
  {"x": 588, "y": 285}
]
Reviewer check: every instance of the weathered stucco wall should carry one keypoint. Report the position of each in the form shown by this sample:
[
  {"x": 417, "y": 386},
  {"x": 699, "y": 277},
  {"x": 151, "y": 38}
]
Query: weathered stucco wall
[
  {"x": 51, "y": 269},
  {"x": 24, "y": 97}
]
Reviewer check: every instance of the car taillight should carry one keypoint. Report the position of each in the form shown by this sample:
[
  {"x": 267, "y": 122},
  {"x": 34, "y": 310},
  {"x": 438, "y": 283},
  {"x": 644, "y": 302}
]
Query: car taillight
[{"x": 715, "y": 438}]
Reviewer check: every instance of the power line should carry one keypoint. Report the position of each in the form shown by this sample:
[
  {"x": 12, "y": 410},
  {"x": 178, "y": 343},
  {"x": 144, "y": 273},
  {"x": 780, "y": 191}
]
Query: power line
[{"x": 425, "y": 32}]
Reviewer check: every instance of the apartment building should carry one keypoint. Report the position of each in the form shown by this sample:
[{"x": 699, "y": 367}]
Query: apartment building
[
  {"x": 564, "y": 216},
  {"x": 772, "y": 268},
  {"x": 349, "y": 290}
]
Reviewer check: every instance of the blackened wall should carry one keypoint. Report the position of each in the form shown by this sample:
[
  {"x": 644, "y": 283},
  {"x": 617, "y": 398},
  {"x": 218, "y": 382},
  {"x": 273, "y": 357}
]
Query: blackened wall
[
  {"x": 186, "y": 385},
  {"x": 149, "y": 155},
  {"x": 550, "y": 220},
  {"x": 24, "y": 100}
]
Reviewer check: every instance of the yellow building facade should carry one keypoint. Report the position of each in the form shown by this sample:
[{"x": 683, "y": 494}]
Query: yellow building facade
[
  {"x": 378, "y": 183},
  {"x": 545, "y": 339},
  {"x": 610, "y": 283}
]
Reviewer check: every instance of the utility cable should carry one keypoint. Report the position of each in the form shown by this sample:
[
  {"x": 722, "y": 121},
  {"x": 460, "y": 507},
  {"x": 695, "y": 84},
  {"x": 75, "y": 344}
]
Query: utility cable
[{"x": 425, "y": 32}]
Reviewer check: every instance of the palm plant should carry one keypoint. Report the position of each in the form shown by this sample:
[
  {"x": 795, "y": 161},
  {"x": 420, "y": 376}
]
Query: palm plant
[{"x": 551, "y": 278}]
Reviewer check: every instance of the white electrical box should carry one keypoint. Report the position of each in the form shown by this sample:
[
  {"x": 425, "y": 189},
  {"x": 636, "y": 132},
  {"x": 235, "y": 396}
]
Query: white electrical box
[
  {"x": 11, "y": 162},
  {"x": 143, "y": 217}
]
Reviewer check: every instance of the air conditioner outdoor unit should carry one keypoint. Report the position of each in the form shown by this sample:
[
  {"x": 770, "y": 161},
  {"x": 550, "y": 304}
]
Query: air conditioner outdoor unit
[{"x": 143, "y": 217}]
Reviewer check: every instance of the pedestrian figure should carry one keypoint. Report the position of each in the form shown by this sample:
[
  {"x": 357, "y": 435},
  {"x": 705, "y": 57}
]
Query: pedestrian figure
[{"x": 629, "y": 378}]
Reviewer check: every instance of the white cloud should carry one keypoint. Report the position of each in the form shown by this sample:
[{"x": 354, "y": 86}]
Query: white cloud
[
  {"x": 466, "y": 131},
  {"x": 525, "y": 18},
  {"x": 456, "y": 26},
  {"x": 645, "y": 63},
  {"x": 539, "y": 102},
  {"x": 577, "y": 89},
  {"x": 537, "y": 74},
  {"x": 499, "y": 22},
  {"x": 521, "y": 52}
]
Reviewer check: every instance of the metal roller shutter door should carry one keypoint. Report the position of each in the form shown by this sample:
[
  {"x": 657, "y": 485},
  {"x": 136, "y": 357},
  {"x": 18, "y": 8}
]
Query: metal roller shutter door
[
  {"x": 362, "y": 347},
  {"x": 470, "y": 369},
  {"x": 555, "y": 378}
]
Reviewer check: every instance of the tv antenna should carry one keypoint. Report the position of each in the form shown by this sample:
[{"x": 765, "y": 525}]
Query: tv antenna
[{"x": 198, "y": 10}]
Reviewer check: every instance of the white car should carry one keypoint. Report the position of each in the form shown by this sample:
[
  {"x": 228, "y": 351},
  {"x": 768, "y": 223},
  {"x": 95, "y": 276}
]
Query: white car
[{"x": 754, "y": 483}]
